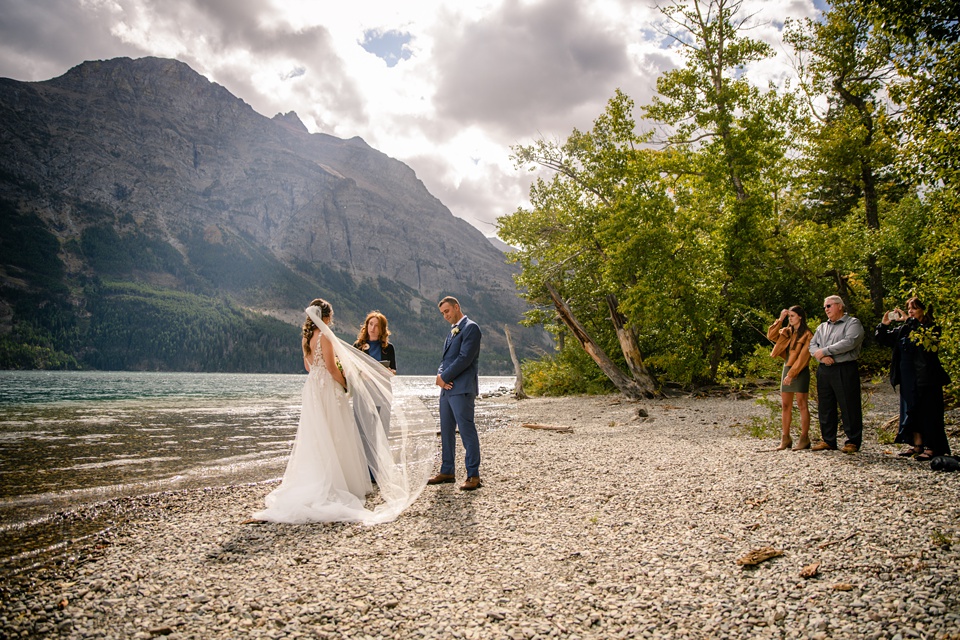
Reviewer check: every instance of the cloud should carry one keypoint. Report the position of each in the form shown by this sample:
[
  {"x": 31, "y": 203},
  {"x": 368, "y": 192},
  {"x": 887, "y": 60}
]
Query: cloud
[
  {"x": 479, "y": 194},
  {"x": 447, "y": 87},
  {"x": 525, "y": 65},
  {"x": 42, "y": 40},
  {"x": 272, "y": 64}
]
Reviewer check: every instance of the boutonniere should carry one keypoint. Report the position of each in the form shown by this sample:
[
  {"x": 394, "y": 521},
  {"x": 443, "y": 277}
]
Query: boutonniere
[{"x": 454, "y": 331}]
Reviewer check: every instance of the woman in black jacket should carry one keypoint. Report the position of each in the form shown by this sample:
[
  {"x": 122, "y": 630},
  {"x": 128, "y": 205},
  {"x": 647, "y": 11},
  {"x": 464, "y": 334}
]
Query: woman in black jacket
[
  {"x": 374, "y": 340},
  {"x": 916, "y": 368}
]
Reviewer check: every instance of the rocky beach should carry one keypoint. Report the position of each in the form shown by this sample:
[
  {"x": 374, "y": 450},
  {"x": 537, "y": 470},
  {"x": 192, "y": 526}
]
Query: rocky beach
[{"x": 640, "y": 521}]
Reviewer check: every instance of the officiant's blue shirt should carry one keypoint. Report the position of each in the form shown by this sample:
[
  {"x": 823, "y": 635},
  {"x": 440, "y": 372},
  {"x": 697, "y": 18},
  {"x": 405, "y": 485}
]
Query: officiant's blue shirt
[{"x": 376, "y": 350}]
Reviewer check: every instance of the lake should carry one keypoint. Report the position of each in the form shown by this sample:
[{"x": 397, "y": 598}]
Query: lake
[{"x": 71, "y": 439}]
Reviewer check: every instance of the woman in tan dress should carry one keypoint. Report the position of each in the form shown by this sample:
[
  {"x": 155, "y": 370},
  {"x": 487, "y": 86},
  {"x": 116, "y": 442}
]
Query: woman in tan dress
[{"x": 791, "y": 344}]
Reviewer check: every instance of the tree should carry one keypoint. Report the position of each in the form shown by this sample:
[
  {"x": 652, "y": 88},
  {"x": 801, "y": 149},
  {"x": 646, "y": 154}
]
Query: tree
[
  {"x": 851, "y": 154},
  {"x": 924, "y": 41},
  {"x": 730, "y": 139},
  {"x": 562, "y": 253}
]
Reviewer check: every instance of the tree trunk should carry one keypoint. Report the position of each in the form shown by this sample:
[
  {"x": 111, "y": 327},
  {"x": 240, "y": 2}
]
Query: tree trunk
[
  {"x": 625, "y": 384},
  {"x": 874, "y": 271},
  {"x": 630, "y": 349},
  {"x": 518, "y": 392},
  {"x": 843, "y": 289},
  {"x": 869, "y": 184}
]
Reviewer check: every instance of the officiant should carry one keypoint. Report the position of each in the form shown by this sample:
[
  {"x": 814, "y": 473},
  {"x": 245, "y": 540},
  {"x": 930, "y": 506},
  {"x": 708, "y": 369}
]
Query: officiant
[{"x": 374, "y": 340}]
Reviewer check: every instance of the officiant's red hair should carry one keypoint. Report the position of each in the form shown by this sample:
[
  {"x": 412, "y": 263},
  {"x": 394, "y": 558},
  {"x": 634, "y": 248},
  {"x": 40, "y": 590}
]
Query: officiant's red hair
[{"x": 363, "y": 337}]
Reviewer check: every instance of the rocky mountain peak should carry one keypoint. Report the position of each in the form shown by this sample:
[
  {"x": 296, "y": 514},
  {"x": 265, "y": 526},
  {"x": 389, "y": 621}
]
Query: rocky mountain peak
[{"x": 292, "y": 121}]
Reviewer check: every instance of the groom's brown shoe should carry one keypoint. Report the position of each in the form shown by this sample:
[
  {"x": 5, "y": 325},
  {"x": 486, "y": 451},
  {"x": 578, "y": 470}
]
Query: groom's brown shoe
[
  {"x": 472, "y": 483},
  {"x": 442, "y": 478}
]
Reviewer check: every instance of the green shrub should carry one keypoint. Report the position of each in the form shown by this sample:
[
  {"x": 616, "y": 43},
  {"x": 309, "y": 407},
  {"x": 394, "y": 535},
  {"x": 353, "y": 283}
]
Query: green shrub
[
  {"x": 755, "y": 367},
  {"x": 874, "y": 361},
  {"x": 887, "y": 431},
  {"x": 569, "y": 372}
]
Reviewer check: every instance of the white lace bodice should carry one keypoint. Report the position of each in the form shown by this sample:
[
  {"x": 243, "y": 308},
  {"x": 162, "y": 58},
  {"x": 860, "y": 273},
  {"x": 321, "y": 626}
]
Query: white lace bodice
[{"x": 322, "y": 377}]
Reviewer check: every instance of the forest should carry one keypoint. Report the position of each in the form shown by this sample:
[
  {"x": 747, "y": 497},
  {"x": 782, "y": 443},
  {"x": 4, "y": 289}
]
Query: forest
[{"x": 659, "y": 245}]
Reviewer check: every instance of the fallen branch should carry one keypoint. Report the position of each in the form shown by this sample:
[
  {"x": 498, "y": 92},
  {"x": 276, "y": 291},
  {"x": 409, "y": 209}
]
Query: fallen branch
[
  {"x": 548, "y": 427},
  {"x": 757, "y": 556},
  {"x": 886, "y": 551},
  {"x": 827, "y": 544}
]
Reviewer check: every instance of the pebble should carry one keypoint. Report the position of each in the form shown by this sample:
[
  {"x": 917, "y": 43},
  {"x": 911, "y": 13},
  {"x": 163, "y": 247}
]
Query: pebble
[{"x": 630, "y": 526}]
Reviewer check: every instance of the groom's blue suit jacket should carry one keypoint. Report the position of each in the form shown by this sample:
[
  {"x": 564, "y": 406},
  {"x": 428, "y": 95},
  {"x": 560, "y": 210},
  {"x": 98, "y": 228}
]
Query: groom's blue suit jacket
[{"x": 461, "y": 359}]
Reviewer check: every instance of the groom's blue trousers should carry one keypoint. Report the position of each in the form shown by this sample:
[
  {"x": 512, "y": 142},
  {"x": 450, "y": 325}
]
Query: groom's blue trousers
[{"x": 457, "y": 411}]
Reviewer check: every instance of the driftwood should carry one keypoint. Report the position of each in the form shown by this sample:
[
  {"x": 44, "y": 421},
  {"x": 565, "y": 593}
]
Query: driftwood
[
  {"x": 518, "y": 391},
  {"x": 547, "y": 427},
  {"x": 888, "y": 425},
  {"x": 759, "y": 555}
]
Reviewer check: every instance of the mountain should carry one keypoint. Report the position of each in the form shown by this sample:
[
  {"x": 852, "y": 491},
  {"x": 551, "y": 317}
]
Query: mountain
[
  {"x": 149, "y": 219},
  {"x": 500, "y": 245}
]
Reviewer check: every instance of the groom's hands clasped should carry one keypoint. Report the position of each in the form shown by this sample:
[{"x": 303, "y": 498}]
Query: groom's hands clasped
[{"x": 442, "y": 384}]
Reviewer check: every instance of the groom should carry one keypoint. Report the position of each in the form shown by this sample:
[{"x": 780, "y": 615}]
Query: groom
[{"x": 458, "y": 379}]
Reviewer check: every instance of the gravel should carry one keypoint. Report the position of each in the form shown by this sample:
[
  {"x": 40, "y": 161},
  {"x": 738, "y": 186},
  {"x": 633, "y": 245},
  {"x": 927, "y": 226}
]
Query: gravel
[{"x": 625, "y": 527}]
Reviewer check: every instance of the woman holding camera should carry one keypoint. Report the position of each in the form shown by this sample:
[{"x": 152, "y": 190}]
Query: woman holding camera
[
  {"x": 916, "y": 367},
  {"x": 792, "y": 338}
]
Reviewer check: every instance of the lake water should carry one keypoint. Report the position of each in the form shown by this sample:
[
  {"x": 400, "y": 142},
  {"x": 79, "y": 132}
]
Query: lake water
[{"x": 70, "y": 439}]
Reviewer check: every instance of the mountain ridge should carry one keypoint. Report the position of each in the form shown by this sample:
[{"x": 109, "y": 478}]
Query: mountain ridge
[{"x": 144, "y": 171}]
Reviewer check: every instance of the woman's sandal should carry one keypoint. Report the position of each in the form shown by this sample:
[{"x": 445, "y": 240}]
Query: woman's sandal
[
  {"x": 925, "y": 456},
  {"x": 912, "y": 451}
]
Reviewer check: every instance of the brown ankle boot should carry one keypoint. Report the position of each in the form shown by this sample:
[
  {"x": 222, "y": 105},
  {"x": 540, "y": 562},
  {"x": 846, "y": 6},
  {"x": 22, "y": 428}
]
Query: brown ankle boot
[
  {"x": 804, "y": 443},
  {"x": 785, "y": 443}
]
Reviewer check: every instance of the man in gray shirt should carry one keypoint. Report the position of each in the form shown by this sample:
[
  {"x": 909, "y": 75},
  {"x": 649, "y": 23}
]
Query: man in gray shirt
[{"x": 836, "y": 346}]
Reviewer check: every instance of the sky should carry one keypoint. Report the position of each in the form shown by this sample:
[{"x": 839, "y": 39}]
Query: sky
[{"x": 445, "y": 86}]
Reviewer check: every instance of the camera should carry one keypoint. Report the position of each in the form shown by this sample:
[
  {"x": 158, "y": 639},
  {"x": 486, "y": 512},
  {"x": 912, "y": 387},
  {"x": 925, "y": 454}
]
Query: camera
[{"x": 896, "y": 315}]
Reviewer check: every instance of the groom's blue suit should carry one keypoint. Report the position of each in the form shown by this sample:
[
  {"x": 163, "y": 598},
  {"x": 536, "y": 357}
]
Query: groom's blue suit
[{"x": 461, "y": 366}]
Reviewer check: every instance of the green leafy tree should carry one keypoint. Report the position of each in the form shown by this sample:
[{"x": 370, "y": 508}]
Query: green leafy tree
[
  {"x": 850, "y": 152},
  {"x": 730, "y": 168},
  {"x": 924, "y": 40},
  {"x": 563, "y": 253}
]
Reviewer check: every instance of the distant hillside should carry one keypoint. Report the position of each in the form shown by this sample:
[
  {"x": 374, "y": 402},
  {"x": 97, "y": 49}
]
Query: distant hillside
[
  {"x": 152, "y": 220},
  {"x": 501, "y": 245}
]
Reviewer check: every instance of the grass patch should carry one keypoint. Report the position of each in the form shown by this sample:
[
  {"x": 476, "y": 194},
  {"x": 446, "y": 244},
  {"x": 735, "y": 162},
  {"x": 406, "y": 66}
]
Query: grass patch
[{"x": 942, "y": 540}]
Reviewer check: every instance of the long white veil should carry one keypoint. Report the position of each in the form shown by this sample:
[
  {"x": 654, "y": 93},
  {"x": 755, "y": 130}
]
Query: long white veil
[{"x": 398, "y": 433}]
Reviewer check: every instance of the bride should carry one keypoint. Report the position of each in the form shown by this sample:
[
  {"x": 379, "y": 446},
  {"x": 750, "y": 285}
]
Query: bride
[{"x": 350, "y": 429}]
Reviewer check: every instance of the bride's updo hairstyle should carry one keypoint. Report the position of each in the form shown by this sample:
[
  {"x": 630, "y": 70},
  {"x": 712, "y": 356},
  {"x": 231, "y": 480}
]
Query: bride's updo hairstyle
[{"x": 326, "y": 310}]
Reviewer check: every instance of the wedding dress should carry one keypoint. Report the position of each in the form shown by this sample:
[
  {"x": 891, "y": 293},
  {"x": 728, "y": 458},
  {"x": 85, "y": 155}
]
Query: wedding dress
[{"x": 343, "y": 434}]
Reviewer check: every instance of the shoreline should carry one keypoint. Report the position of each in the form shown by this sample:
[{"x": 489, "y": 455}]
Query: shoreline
[{"x": 627, "y": 526}]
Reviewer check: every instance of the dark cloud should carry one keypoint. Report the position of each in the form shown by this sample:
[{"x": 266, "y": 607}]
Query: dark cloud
[
  {"x": 526, "y": 66},
  {"x": 225, "y": 24},
  {"x": 231, "y": 25},
  {"x": 42, "y": 40}
]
